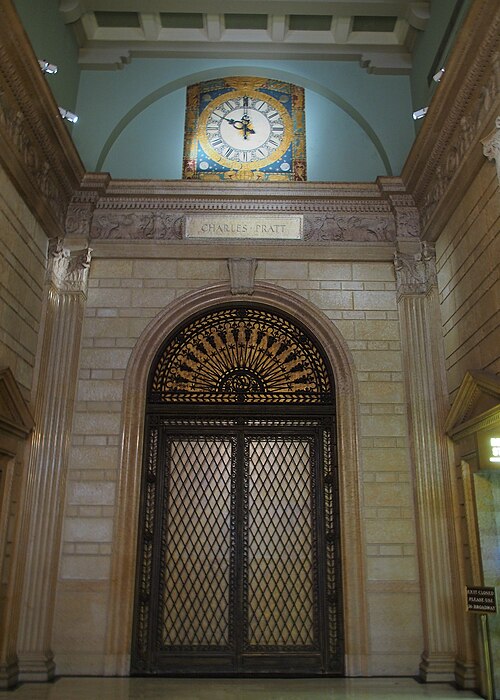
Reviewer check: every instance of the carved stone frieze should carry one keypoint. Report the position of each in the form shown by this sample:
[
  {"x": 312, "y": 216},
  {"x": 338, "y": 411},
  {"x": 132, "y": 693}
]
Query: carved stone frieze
[
  {"x": 336, "y": 227},
  {"x": 137, "y": 224},
  {"x": 448, "y": 143},
  {"x": 416, "y": 273},
  {"x": 467, "y": 131},
  {"x": 68, "y": 271},
  {"x": 35, "y": 146},
  {"x": 491, "y": 146},
  {"x": 79, "y": 219},
  {"x": 104, "y": 209},
  {"x": 407, "y": 216}
]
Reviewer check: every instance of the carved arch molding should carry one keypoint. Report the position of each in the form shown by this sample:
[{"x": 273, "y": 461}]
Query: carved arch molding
[
  {"x": 148, "y": 353},
  {"x": 239, "y": 544}
]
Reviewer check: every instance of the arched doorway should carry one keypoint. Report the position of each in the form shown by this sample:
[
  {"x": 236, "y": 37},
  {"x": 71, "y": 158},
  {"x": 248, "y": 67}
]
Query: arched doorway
[{"x": 238, "y": 567}]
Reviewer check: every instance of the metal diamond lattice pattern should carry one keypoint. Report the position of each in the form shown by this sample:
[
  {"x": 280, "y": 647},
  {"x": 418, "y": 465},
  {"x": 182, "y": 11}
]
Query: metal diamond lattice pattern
[
  {"x": 241, "y": 355},
  {"x": 280, "y": 585},
  {"x": 197, "y": 544}
]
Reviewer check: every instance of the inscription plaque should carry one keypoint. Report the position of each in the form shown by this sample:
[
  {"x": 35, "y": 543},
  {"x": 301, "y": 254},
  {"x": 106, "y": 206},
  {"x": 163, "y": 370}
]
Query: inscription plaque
[{"x": 244, "y": 226}]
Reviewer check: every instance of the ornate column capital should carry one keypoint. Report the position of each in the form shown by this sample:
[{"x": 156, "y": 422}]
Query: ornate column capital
[
  {"x": 68, "y": 271},
  {"x": 491, "y": 146},
  {"x": 416, "y": 272}
]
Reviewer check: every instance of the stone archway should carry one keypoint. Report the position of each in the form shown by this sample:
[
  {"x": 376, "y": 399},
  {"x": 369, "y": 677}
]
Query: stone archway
[{"x": 128, "y": 492}]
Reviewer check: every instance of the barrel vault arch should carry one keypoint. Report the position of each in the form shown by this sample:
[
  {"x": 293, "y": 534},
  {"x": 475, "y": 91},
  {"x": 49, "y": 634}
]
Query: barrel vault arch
[{"x": 123, "y": 566}]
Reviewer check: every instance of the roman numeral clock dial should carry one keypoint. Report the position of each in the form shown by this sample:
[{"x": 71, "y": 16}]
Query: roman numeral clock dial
[
  {"x": 244, "y": 128},
  {"x": 245, "y": 131}
]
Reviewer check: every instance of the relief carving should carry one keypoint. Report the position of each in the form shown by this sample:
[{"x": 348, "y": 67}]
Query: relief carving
[
  {"x": 406, "y": 215},
  {"x": 39, "y": 154},
  {"x": 68, "y": 271},
  {"x": 335, "y": 227},
  {"x": 491, "y": 146},
  {"x": 149, "y": 225},
  {"x": 78, "y": 220},
  {"x": 466, "y": 131},
  {"x": 416, "y": 274}
]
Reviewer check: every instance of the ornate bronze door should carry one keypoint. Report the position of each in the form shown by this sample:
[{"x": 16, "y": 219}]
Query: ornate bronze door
[{"x": 239, "y": 559}]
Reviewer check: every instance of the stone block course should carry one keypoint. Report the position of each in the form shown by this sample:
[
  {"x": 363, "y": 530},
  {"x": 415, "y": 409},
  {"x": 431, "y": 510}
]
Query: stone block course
[{"x": 355, "y": 296}]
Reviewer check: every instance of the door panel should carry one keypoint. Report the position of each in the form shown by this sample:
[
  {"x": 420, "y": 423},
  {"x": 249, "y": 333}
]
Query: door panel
[
  {"x": 279, "y": 601},
  {"x": 233, "y": 554},
  {"x": 196, "y": 558}
]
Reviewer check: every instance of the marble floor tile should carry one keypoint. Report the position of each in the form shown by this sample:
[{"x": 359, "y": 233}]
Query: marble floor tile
[{"x": 234, "y": 689}]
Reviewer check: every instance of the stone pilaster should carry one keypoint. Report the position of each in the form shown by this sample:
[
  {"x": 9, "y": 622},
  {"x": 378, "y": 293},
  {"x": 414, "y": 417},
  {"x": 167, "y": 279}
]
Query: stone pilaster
[
  {"x": 67, "y": 275},
  {"x": 426, "y": 395},
  {"x": 491, "y": 146}
]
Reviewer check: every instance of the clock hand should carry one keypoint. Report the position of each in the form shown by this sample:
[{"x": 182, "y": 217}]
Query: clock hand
[
  {"x": 247, "y": 129},
  {"x": 241, "y": 125}
]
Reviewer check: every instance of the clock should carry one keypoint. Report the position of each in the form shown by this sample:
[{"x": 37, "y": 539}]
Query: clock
[{"x": 244, "y": 129}]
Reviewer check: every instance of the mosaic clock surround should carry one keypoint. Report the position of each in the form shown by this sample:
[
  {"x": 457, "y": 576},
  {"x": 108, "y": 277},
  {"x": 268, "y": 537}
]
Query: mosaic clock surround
[{"x": 241, "y": 128}]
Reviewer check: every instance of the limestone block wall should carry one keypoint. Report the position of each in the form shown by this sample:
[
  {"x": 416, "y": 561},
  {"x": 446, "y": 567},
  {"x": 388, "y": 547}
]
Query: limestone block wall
[
  {"x": 22, "y": 270},
  {"x": 467, "y": 258},
  {"x": 359, "y": 297}
]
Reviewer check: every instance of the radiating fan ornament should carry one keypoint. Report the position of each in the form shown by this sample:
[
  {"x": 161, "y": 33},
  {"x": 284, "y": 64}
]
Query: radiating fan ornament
[{"x": 241, "y": 355}]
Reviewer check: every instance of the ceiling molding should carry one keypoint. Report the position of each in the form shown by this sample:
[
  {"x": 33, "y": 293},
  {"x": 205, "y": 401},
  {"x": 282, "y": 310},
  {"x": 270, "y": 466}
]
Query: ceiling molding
[{"x": 111, "y": 33}]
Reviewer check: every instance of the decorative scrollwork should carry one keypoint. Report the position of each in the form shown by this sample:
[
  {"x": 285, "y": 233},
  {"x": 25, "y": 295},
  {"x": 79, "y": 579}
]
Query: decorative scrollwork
[{"x": 241, "y": 355}]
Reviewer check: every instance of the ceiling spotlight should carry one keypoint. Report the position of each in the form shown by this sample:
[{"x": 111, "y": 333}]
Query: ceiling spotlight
[
  {"x": 66, "y": 114},
  {"x": 47, "y": 67},
  {"x": 420, "y": 113},
  {"x": 436, "y": 78}
]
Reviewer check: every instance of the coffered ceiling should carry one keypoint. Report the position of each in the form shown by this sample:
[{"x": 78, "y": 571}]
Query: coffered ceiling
[{"x": 378, "y": 33}]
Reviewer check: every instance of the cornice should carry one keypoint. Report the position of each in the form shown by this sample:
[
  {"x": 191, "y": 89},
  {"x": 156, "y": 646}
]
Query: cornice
[
  {"x": 155, "y": 210},
  {"x": 447, "y": 152},
  {"x": 461, "y": 420},
  {"x": 35, "y": 146}
]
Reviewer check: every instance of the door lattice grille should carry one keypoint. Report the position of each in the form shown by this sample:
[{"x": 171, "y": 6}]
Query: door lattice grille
[
  {"x": 197, "y": 546},
  {"x": 280, "y": 551},
  {"x": 238, "y": 562}
]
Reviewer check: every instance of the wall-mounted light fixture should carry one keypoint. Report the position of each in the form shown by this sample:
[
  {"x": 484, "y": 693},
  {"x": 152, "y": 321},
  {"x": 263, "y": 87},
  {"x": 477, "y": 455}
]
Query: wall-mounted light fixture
[
  {"x": 69, "y": 116},
  {"x": 47, "y": 67},
  {"x": 437, "y": 77},
  {"x": 420, "y": 113}
]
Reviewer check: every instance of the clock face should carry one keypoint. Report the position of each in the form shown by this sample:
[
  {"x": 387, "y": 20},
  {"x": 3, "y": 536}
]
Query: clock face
[{"x": 245, "y": 129}]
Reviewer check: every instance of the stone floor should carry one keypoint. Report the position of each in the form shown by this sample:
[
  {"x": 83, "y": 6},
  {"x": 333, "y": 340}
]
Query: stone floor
[{"x": 234, "y": 689}]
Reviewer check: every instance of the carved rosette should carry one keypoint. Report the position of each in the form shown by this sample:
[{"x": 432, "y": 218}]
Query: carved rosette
[
  {"x": 416, "y": 273},
  {"x": 68, "y": 271},
  {"x": 491, "y": 146}
]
